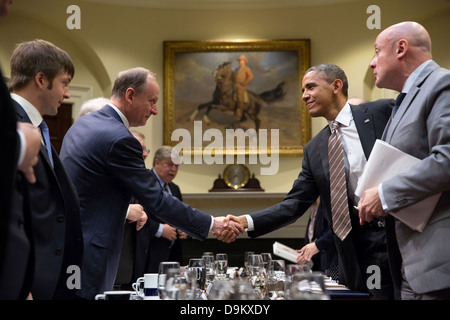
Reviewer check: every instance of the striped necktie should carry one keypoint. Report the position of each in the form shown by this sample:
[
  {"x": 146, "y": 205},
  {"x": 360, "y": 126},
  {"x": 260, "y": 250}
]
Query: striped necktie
[
  {"x": 338, "y": 185},
  {"x": 46, "y": 136}
]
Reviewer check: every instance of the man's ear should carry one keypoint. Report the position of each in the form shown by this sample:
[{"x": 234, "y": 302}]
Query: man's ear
[
  {"x": 337, "y": 85},
  {"x": 129, "y": 95},
  {"x": 402, "y": 48},
  {"x": 40, "y": 79}
]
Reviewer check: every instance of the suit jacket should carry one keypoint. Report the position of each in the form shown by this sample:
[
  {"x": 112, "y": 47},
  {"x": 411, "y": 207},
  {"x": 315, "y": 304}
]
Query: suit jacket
[
  {"x": 105, "y": 163},
  {"x": 324, "y": 239},
  {"x": 421, "y": 128},
  {"x": 365, "y": 245},
  {"x": 56, "y": 225},
  {"x": 16, "y": 252},
  {"x": 160, "y": 249},
  {"x": 142, "y": 251}
]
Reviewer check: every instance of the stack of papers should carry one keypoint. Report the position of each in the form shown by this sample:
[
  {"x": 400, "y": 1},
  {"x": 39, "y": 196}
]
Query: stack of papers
[{"x": 385, "y": 162}]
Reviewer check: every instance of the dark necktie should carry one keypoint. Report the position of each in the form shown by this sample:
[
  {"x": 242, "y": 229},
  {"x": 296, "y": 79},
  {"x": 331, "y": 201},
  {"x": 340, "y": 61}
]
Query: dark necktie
[
  {"x": 166, "y": 187},
  {"x": 398, "y": 102},
  {"x": 338, "y": 184},
  {"x": 46, "y": 136}
]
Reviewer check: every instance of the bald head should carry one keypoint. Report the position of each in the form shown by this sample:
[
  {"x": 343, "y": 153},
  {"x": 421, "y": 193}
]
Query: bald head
[
  {"x": 416, "y": 35},
  {"x": 399, "y": 50}
]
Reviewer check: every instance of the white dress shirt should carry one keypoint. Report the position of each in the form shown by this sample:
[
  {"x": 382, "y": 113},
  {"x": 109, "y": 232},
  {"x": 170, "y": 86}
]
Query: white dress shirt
[{"x": 355, "y": 160}]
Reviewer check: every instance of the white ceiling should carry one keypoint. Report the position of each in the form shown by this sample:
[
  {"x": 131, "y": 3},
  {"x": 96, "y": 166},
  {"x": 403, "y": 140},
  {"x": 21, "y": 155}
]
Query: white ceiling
[{"x": 220, "y": 4}]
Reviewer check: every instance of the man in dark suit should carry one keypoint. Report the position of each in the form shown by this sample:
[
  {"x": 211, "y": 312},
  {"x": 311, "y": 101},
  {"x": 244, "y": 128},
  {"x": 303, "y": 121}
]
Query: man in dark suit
[
  {"x": 325, "y": 94},
  {"x": 21, "y": 144},
  {"x": 105, "y": 163},
  {"x": 40, "y": 77},
  {"x": 319, "y": 243},
  {"x": 165, "y": 243}
]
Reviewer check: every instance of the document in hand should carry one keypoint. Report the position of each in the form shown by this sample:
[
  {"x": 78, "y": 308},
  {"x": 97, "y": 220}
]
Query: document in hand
[
  {"x": 385, "y": 162},
  {"x": 285, "y": 252}
]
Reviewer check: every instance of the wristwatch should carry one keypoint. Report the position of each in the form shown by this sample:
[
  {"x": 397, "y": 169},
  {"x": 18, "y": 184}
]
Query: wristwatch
[{"x": 236, "y": 175}]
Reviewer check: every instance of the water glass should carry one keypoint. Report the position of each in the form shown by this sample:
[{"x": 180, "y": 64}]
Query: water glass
[
  {"x": 197, "y": 265},
  {"x": 221, "y": 265},
  {"x": 180, "y": 285},
  {"x": 164, "y": 267},
  {"x": 210, "y": 265},
  {"x": 307, "y": 286}
]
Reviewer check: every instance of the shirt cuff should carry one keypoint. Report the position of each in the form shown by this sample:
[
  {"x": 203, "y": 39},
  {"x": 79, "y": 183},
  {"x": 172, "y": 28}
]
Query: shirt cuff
[
  {"x": 159, "y": 231},
  {"x": 381, "y": 195},
  {"x": 23, "y": 147},
  {"x": 212, "y": 224},
  {"x": 250, "y": 224}
]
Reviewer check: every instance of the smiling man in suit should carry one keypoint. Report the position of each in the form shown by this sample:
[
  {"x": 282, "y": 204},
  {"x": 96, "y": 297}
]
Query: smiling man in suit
[
  {"x": 325, "y": 95},
  {"x": 106, "y": 165},
  {"x": 420, "y": 260},
  {"x": 40, "y": 77}
]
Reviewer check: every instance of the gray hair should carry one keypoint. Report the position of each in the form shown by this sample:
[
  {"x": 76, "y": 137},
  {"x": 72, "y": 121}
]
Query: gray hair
[
  {"x": 165, "y": 152},
  {"x": 137, "y": 133},
  {"x": 92, "y": 105},
  {"x": 135, "y": 78},
  {"x": 330, "y": 72}
]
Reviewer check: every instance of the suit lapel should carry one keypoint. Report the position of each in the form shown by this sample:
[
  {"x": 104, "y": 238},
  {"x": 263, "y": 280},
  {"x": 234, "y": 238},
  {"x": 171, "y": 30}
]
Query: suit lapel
[
  {"x": 23, "y": 117},
  {"x": 323, "y": 149},
  {"x": 364, "y": 123},
  {"x": 407, "y": 102}
]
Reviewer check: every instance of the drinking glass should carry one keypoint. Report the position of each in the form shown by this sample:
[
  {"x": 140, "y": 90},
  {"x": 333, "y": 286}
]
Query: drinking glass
[
  {"x": 221, "y": 265},
  {"x": 210, "y": 265},
  {"x": 307, "y": 286},
  {"x": 266, "y": 257},
  {"x": 197, "y": 265},
  {"x": 276, "y": 280},
  {"x": 180, "y": 285},
  {"x": 164, "y": 266},
  {"x": 231, "y": 289},
  {"x": 257, "y": 275},
  {"x": 255, "y": 264},
  {"x": 247, "y": 255}
]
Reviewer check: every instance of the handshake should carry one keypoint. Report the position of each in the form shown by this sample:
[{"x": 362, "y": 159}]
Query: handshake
[{"x": 228, "y": 228}]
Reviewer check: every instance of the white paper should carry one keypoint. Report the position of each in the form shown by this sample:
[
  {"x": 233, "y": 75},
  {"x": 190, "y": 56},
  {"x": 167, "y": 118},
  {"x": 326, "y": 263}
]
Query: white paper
[
  {"x": 385, "y": 162},
  {"x": 285, "y": 252}
]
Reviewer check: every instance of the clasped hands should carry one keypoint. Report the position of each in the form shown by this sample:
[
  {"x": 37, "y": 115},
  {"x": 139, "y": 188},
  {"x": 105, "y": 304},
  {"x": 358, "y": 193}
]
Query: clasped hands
[{"x": 227, "y": 229}]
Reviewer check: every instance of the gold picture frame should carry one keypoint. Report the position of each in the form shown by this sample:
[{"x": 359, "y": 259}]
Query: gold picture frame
[{"x": 193, "y": 88}]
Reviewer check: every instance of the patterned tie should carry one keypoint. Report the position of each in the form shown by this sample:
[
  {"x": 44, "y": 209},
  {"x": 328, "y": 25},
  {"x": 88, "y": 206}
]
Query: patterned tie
[
  {"x": 166, "y": 187},
  {"x": 338, "y": 185},
  {"x": 398, "y": 102},
  {"x": 46, "y": 136}
]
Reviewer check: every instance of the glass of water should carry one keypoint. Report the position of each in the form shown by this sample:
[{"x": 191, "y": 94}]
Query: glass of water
[{"x": 221, "y": 265}]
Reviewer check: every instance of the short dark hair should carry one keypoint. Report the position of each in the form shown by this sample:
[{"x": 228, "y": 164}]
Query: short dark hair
[
  {"x": 135, "y": 78},
  {"x": 330, "y": 72},
  {"x": 31, "y": 57}
]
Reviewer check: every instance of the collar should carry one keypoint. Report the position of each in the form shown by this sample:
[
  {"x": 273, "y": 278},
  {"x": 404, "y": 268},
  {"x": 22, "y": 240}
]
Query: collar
[
  {"x": 344, "y": 117},
  {"x": 161, "y": 183},
  {"x": 413, "y": 76},
  {"x": 124, "y": 119},
  {"x": 31, "y": 111}
]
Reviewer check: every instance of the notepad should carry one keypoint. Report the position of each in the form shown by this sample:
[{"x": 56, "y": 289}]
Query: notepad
[{"x": 386, "y": 162}]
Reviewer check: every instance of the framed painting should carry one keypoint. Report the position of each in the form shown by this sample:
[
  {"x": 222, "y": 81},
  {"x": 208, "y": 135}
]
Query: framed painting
[{"x": 216, "y": 88}]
